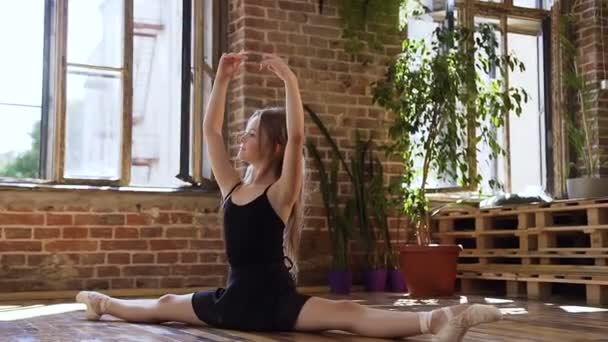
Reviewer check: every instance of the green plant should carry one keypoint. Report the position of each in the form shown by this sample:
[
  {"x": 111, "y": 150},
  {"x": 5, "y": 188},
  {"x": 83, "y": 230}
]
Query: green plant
[
  {"x": 380, "y": 202},
  {"x": 357, "y": 14},
  {"x": 339, "y": 221},
  {"x": 444, "y": 109},
  {"x": 581, "y": 134},
  {"x": 361, "y": 171},
  {"x": 359, "y": 176},
  {"x": 26, "y": 164}
]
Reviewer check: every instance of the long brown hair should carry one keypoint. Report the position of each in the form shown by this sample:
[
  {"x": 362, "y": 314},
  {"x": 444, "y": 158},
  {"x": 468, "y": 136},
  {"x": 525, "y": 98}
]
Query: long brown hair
[{"x": 274, "y": 125}]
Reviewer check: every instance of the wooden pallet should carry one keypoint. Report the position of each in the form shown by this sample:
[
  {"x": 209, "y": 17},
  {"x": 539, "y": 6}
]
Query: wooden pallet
[
  {"x": 537, "y": 288},
  {"x": 532, "y": 246}
]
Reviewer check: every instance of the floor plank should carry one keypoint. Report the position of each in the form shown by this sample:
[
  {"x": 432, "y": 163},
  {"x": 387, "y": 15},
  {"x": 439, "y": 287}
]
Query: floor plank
[{"x": 524, "y": 321}]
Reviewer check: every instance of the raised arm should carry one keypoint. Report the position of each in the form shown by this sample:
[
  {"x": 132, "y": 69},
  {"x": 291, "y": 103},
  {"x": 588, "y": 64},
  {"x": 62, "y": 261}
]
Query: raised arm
[
  {"x": 224, "y": 172},
  {"x": 290, "y": 180}
]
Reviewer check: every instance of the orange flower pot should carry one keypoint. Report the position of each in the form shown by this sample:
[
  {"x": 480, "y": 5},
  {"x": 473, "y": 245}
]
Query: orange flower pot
[{"x": 430, "y": 270}]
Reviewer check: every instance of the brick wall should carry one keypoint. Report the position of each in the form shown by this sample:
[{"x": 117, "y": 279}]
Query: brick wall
[
  {"x": 72, "y": 240},
  {"x": 92, "y": 239},
  {"x": 333, "y": 83},
  {"x": 593, "y": 52}
]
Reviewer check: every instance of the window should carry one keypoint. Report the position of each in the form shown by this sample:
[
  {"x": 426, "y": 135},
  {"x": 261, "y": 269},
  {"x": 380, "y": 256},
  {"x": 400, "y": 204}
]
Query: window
[
  {"x": 157, "y": 38},
  {"x": 21, "y": 86},
  {"x": 116, "y": 113},
  {"x": 421, "y": 28},
  {"x": 527, "y": 162},
  {"x": 95, "y": 81},
  {"x": 523, "y": 137}
]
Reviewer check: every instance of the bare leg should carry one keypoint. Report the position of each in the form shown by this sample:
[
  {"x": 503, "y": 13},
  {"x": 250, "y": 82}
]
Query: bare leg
[
  {"x": 169, "y": 307},
  {"x": 320, "y": 314}
]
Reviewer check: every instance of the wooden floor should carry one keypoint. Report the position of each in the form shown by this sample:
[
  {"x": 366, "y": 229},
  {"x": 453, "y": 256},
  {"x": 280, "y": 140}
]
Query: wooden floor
[{"x": 524, "y": 321}]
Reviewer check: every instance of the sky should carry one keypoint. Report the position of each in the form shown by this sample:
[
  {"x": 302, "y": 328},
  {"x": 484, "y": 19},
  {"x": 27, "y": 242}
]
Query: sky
[{"x": 21, "y": 39}]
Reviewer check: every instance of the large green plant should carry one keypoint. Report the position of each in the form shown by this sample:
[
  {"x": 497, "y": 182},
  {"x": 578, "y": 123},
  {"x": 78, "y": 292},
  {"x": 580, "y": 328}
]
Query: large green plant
[
  {"x": 358, "y": 174},
  {"x": 444, "y": 108},
  {"x": 381, "y": 202},
  {"x": 339, "y": 220},
  {"x": 581, "y": 99},
  {"x": 361, "y": 171}
]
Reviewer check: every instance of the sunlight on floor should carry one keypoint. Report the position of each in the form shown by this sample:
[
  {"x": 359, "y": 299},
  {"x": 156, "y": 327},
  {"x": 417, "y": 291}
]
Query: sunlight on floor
[
  {"x": 580, "y": 309},
  {"x": 497, "y": 301},
  {"x": 415, "y": 302},
  {"x": 513, "y": 311},
  {"x": 8, "y": 307},
  {"x": 23, "y": 312}
]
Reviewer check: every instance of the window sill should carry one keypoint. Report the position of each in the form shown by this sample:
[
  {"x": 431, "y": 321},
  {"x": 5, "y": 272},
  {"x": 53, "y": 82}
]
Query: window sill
[
  {"x": 454, "y": 197},
  {"x": 211, "y": 191}
]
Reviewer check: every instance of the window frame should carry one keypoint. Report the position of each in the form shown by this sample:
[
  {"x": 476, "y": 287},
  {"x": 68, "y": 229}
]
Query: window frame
[
  {"x": 53, "y": 118},
  {"x": 467, "y": 10}
]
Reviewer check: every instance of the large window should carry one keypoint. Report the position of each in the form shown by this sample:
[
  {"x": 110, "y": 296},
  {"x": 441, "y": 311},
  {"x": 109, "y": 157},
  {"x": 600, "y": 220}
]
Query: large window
[
  {"x": 524, "y": 138},
  {"x": 118, "y": 90},
  {"x": 22, "y": 33},
  {"x": 95, "y": 71}
]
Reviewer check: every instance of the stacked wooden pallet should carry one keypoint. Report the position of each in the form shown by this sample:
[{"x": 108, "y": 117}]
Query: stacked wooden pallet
[{"x": 532, "y": 247}]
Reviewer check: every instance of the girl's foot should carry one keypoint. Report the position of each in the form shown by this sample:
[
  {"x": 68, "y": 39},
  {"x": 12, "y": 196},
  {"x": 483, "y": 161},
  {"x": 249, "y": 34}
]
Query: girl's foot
[
  {"x": 451, "y": 324},
  {"x": 96, "y": 303}
]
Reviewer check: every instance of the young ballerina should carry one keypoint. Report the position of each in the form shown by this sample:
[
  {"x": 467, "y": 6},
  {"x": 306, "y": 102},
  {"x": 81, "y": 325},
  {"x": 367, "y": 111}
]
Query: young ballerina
[{"x": 261, "y": 232}]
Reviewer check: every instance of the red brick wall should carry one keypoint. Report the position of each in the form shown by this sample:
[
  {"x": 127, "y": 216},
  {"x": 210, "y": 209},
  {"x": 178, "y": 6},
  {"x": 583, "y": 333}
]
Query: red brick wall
[
  {"x": 333, "y": 83},
  {"x": 71, "y": 240},
  {"x": 593, "y": 53},
  {"x": 84, "y": 239}
]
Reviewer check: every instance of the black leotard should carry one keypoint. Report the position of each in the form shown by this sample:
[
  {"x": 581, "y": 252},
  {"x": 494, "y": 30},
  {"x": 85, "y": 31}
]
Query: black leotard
[{"x": 260, "y": 294}]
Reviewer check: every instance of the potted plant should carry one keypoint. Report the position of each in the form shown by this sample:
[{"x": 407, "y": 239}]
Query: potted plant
[
  {"x": 381, "y": 203},
  {"x": 443, "y": 110},
  {"x": 374, "y": 271},
  {"x": 581, "y": 132},
  {"x": 339, "y": 222}
]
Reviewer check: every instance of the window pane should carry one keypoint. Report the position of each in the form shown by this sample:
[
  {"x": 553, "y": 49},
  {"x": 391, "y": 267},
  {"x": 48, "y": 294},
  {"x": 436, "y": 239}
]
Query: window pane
[
  {"x": 528, "y": 3},
  {"x": 93, "y": 124},
  {"x": 207, "y": 84},
  {"x": 490, "y": 169},
  {"x": 19, "y": 141},
  {"x": 207, "y": 75},
  {"x": 95, "y": 32},
  {"x": 526, "y": 156},
  {"x": 156, "y": 92},
  {"x": 525, "y": 26},
  {"x": 421, "y": 28},
  {"x": 21, "y": 64}
]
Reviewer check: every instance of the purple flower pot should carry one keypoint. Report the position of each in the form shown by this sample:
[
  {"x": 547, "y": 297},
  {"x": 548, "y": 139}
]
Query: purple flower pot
[
  {"x": 374, "y": 280},
  {"x": 395, "y": 281},
  {"x": 340, "y": 281}
]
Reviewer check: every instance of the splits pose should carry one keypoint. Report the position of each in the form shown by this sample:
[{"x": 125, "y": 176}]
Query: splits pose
[{"x": 262, "y": 217}]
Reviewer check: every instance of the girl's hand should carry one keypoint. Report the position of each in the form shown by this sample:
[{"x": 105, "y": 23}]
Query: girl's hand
[
  {"x": 229, "y": 65},
  {"x": 277, "y": 65}
]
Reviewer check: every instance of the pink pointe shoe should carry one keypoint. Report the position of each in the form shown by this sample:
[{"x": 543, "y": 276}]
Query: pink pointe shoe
[
  {"x": 457, "y": 326},
  {"x": 95, "y": 302}
]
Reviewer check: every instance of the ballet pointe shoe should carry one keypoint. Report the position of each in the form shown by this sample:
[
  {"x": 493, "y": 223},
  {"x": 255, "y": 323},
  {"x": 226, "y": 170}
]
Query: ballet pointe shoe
[
  {"x": 95, "y": 302},
  {"x": 457, "y": 326}
]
